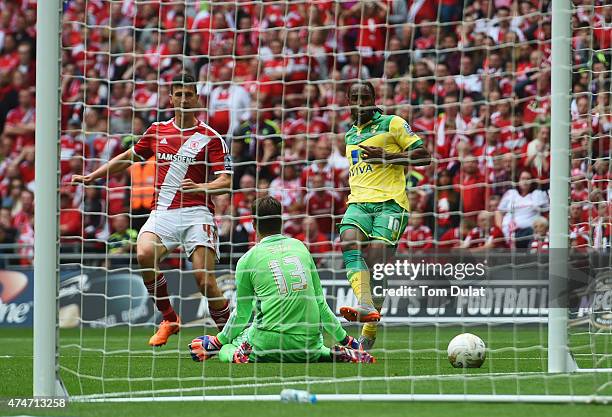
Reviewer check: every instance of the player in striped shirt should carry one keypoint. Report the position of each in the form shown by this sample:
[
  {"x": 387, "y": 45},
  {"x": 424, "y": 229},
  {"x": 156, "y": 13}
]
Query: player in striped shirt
[{"x": 192, "y": 163}]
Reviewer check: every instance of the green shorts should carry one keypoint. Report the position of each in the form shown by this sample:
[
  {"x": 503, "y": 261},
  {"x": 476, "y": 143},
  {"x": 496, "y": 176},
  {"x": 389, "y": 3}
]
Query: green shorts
[
  {"x": 275, "y": 347},
  {"x": 384, "y": 221}
]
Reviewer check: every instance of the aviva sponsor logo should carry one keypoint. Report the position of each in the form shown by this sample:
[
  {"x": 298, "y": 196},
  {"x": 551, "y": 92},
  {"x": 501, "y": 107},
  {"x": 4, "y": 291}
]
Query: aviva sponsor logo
[
  {"x": 360, "y": 169},
  {"x": 162, "y": 156}
]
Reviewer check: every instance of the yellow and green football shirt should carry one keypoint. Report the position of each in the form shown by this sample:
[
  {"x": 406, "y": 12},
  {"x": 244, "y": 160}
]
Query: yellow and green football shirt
[{"x": 373, "y": 183}]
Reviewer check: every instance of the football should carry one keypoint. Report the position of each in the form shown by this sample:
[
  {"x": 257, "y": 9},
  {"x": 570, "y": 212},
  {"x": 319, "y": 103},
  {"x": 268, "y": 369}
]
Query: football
[{"x": 466, "y": 350}]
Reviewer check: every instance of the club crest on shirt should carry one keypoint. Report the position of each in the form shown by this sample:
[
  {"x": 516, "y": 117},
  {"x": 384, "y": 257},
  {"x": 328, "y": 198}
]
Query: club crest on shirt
[
  {"x": 228, "y": 162},
  {"x": 195, "y": 144}
]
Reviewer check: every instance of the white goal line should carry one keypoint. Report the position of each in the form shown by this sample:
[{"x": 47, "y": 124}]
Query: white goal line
[
  {"x": 584, "y": 399},
  {"x": 319, "y": 381}
]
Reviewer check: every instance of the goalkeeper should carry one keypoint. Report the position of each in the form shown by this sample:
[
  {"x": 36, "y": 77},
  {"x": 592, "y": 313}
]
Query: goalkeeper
[
  {"x": 278, "y": 281},
  {"x": 378, "y": 147}
]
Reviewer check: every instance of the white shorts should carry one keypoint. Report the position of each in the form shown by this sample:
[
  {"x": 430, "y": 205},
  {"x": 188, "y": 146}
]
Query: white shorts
[{"x": 189, "y": 226}]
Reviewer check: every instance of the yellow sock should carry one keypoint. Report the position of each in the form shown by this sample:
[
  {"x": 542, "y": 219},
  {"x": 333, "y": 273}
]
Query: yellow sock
[
  {"x": 360, "y": 281},
  {"x": 369, "y": 330}
]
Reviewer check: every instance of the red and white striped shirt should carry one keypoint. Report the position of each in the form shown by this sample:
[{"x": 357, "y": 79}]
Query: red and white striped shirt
[{"x": 194, "y": 153}]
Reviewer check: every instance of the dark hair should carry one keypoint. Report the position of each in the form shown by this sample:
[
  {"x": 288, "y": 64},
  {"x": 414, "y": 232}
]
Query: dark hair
[
  {"x": 368, "y": 85},
  {"x": 268, "y": 215},
  {"x": 534, "y": 181},
  {"x": 181, "y": 80}
]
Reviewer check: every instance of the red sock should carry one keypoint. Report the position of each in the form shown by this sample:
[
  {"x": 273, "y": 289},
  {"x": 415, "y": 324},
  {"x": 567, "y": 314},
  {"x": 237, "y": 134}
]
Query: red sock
[
  {"x": 158, "y": 289},
  {"x": 220, "y": 316}
]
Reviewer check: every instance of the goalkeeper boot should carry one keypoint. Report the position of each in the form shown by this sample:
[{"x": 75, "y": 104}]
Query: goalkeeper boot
[
  {"x": 242, "y": 353},
  {"x": 362, "y": 313},
  {"x": 346, "y": 354},
  {"x": 204, "y": 347},
  {"x": 366, "y": 343},
  {"x": 166, "y": 329}
]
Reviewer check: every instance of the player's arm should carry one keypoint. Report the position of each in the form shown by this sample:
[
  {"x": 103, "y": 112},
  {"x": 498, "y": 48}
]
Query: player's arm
[
  {"x": 220, "y": 164},
  {"x": 141, "y": 150},
  {"x": 220, "y": 185},
  {"x": 119, "y": 163},
  {"x": 241, "y": 316},
  {"x": 414, "y": 152},
  {"x": 330, "y": 322},
  {"x": 419, "y": 156}
]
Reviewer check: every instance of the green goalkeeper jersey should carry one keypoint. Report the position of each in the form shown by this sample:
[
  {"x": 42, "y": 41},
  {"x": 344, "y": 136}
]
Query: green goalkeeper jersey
[{"x": 277, "y": 280}]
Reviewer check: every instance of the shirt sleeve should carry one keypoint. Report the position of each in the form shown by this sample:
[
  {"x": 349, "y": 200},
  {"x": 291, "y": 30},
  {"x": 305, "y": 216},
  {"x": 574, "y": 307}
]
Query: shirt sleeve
[
  {"x": 218, "y": 156},
  {"x": 506, "y": 201},
  {"x": 405, "y": 137},
  {"x": 330, "y": 322},
  {"x": 542, "y": 200},
  {"x": 144, "y": 147},
  {"x": 241, "y": 316}
]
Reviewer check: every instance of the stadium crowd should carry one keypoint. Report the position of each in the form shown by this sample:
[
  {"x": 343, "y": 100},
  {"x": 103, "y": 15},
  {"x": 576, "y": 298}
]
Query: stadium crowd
[{"x": 471, "y": 77}]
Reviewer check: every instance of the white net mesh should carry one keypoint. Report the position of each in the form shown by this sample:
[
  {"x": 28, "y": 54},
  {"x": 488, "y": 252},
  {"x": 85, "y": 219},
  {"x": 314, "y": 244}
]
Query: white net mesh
[{"x": 473, "y": 80}]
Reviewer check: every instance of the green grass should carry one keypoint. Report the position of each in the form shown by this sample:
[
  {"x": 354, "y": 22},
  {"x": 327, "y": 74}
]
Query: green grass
[{"x": 413, "y": 361}]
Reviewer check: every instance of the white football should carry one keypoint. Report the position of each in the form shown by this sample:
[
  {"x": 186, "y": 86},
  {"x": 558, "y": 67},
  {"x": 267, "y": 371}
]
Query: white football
[{"x": 466, "y": 350}]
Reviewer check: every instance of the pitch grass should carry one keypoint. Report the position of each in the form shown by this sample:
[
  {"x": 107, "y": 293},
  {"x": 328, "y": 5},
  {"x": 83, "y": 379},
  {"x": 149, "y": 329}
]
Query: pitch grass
[{"x": 413, "y": 360}]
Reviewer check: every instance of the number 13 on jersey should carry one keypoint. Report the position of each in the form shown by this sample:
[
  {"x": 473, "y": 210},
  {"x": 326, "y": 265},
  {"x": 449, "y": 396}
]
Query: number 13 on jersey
[{"x": 291, "y": 266}]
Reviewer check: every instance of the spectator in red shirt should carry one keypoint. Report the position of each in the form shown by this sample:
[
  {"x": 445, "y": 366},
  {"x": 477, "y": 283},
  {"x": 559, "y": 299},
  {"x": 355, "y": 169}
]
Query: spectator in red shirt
[
  {"x": 323, "y": 204},
  {"x": 417, "y": 235},
  {"x": 25, "y": 164},
  {"x": 321, "y": 165},
  {"x": 9, "y": 60},
  {"x": 313, "y": 238},
  {"x": 485, "y": 235},
  {"x": 20, "y": 122},
  {"x": 540, "y": 242},
  {"x": 25, "y": 214},
  {"x": 454, "y": 237},
  {"x": 70, "y": 222},
  {"x": 372, "y": 33},
  {"x": 472, "y": 187},
  {"x": 579, "y": 227},
  {"x": 444, "y": 203},
  {"x": 274, "y": 69},
  {"x": 425, "y": 124}
]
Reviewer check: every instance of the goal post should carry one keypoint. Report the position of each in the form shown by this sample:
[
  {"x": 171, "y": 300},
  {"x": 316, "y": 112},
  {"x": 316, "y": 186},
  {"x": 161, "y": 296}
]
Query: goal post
[
  {"x": 561, "y": 72},
  {"x": 46, "y": 244}
]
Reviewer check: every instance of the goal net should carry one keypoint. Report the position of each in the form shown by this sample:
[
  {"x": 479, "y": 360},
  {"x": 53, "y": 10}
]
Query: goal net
[{"x": 472, "y": 79}]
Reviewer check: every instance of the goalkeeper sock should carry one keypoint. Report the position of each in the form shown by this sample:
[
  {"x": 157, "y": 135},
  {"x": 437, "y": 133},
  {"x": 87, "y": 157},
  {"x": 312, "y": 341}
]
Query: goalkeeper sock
[{"x": 158, "y": 289}]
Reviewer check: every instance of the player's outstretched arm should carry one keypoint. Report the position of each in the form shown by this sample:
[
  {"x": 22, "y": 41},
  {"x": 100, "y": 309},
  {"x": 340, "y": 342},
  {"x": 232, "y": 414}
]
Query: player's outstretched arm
[
  {"x": 221, "y": 185},
  {"x": 330, "y": 322},
  {"x": 416, "y": 157},
  {"x": 241, "y": 316},
  {"x": 117, "y": 164}
]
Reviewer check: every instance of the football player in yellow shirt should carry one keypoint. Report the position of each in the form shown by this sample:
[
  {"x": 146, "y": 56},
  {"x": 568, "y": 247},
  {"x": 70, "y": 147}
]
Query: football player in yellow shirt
[{"x": 378, "y": 148}]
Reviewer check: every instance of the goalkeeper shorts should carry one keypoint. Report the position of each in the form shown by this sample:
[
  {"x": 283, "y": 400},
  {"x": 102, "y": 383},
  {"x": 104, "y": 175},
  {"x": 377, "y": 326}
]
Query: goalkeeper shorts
[
  {"x": 384, "y": 221},
  {"x": 190, "y": 227}
]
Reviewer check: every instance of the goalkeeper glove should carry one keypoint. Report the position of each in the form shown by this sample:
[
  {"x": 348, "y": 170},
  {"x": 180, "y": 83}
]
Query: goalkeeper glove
[
  {"x": 204, "y": 347},
  {"x": 350, "y": 341},
  {"x": 346, "y": 354}
]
